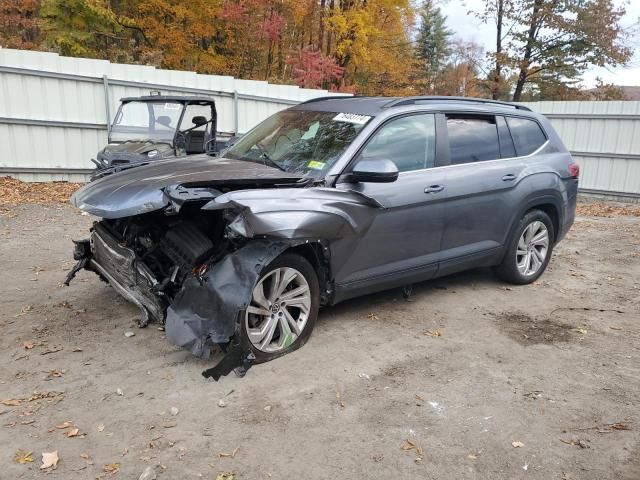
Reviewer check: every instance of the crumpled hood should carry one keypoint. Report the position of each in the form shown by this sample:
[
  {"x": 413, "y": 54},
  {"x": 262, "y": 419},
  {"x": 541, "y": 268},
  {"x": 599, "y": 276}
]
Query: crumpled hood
[{"x": 140, "y": 190}]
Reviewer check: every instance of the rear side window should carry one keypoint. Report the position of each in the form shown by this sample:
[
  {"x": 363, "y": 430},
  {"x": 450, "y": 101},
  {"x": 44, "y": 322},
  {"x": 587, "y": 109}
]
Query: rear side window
[
  {"x": 472, "y": 138},
  {"x": 527, "y": 135}
]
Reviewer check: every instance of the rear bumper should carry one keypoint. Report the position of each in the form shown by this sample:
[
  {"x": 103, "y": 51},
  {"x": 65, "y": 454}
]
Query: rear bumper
[{"x": 128, "y": 276}]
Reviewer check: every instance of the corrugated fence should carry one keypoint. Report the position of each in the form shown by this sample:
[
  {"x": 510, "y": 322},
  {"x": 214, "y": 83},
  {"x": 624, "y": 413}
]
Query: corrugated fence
[
  {"x": 54, "y": 112},
  {"x": 604, "y": 137}
]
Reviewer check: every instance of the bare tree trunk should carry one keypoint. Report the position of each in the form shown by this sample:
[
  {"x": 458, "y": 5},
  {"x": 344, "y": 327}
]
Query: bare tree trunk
[
  {"x": 526, "y": 58},
  {"x": 496, "y": 75},
  {"x": 321, "y": 26}
]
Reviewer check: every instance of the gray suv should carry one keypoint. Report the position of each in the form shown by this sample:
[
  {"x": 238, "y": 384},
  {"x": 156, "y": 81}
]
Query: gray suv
[{"x": 328, "y": 200}]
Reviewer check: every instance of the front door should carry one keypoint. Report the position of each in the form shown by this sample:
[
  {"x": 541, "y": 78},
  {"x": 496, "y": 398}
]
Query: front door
[{"x": 401, "y": 246}]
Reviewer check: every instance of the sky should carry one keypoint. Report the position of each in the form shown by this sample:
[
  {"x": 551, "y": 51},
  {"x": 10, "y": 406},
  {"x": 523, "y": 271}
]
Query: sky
[{"x": 470, "y": 28}]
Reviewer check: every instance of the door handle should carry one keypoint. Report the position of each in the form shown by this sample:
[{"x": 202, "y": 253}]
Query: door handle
[
  {"x": 433, "y": 189},
  {"x": 508, "y": 177}
]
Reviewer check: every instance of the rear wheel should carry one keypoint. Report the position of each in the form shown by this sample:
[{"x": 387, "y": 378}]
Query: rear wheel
[
  {"x": 529, "y": 249},
  {"x": 283, "y": 309}
]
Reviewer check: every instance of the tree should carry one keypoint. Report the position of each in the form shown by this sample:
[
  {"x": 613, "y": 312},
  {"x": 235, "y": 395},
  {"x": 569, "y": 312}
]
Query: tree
[
  {"x": 552, "y": 41},
  {"x": 19, "y": 24},
  {"x": 433, "y": 44}
]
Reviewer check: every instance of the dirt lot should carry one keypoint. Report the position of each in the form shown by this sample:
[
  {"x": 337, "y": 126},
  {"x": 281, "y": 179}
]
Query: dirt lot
[{"x": 438, "y": 387}]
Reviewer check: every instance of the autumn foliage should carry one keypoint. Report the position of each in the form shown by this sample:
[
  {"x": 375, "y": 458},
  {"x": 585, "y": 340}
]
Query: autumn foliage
[{"x": 369, "y": 47}]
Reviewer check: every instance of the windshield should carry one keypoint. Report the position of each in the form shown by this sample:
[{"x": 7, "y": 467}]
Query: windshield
[
  {"x": 299, "y": 141},
  {"x": 155, "y": 121}
]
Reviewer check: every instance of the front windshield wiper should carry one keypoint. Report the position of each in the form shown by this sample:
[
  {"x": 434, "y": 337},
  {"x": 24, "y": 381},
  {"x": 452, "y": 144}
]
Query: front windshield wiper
[{"x": 267, "y": 160}]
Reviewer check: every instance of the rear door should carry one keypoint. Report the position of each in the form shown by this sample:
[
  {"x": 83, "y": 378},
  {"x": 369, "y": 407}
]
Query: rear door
[
  {"x": 402, "y": 244},
  {"x": 483, "y": 169}
]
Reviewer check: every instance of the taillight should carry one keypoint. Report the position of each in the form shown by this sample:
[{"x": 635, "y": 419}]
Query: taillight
[{"x": 574, "y": 170}]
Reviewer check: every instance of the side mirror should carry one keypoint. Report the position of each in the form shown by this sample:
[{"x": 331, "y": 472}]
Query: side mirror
[
  {"x": 377, "y": 171},
  {"x": 199, "y": 120}
]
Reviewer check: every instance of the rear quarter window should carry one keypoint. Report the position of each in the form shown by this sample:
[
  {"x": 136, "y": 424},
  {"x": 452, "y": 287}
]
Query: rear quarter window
[{"x": 527, "y": 135}]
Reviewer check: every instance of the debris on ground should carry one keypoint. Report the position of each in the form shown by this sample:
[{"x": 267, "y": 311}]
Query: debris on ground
[
  {"x": 23, "y": 457},
  {"x": 226, "y": 476},
  {"x": 111, "y": 468},
  {"x": 607, "y": 210},
  {"x": 364, "y": 375},
  {"x": 174, "y": 411},
  {"x": 576, "y": 441},
  {"x": 49, "y": 460},
  {"x": 17, "y": 192},
  {"x": 517, "y": 444},
  {"x": 119, "y": 392},
  {"x": 430, "y": 333},
  {"x": 267, "y": 408},
  {"x": 148, "y": 474},
  {"x": 229, "y": 455},
  {"x": 222, "y": 403},
  {"x": 129, "y": 334}
]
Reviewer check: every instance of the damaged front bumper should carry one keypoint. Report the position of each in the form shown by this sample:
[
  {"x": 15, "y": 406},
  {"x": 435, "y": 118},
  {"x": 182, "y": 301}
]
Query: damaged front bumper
[
  {"x": 205, "y": 310},
  {"x": 119, "y": 266}
]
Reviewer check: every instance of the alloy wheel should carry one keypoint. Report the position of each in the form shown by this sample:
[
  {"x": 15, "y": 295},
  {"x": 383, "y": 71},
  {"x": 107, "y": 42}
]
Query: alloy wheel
[
  {"x": 532, "y": 249},
  {"x": 279, "y": 309}
]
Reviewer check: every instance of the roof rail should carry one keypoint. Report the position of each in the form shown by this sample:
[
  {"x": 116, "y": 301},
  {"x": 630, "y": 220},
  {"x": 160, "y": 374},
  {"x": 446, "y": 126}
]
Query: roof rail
[
  {"x": 417, "y": 100},
  {"x": 326, "y": 97}
]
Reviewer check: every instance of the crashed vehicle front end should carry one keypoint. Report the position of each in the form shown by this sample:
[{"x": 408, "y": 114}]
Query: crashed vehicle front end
[{"x": 188, "y": 247}]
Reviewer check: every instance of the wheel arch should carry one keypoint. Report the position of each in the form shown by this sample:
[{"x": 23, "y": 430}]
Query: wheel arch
[{"x": 317, "y": 253}]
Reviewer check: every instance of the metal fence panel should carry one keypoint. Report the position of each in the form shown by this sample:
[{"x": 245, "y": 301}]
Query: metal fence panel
[
  {"x": 53, "y": 116},
  {"x": 54, "y": 110},
  {"x": 604, "y": 138}
]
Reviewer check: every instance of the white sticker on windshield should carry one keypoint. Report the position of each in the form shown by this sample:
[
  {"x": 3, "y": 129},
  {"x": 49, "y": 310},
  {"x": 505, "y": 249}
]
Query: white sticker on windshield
[
  {"x": 351, "y": 118},
  {"x": 172, "y": 106}
]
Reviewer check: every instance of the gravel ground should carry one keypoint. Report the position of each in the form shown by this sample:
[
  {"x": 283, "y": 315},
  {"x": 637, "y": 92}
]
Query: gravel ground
[{"x": 471, "y": 378}]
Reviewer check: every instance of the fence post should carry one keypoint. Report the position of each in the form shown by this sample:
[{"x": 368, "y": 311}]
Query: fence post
[
  {"x": 107, "y": 108},
  {"x": 236, "y": 120}
]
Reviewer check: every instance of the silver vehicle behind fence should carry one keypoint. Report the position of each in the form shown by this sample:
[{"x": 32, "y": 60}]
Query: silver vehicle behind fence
[{"x": 328, "y": 200}]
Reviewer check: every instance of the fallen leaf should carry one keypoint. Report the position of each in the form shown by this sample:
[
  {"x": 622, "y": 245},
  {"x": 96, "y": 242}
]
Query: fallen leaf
[
  {"x": 232, "y": 454},
  {"x": 55, "y": 373},
  {"x": 436, "y": 333},
  {"x": 408, "y": 445},
  {"x": 226, "y": 476},
  {"x": 66, "y": 424},
  {"x": 472, "y": 456},
  {"x": 29, "y": 345},
  {"x": 73, "y": 432},
  {"x": 100, "y": 427},
  {"x": 11, "y": 402},
  {"x": 517, "y": 444},
  {"x": 418, "y": 397},
  {"x": 49, "y": 460},
  {"x": 111, "y": 468},
  {"x": 84, "y": 455},
  {"x": 23, "y": 457}
]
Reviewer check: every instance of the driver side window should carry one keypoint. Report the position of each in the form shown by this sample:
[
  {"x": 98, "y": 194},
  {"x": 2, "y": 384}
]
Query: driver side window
[{"x": 409, "y": 142}]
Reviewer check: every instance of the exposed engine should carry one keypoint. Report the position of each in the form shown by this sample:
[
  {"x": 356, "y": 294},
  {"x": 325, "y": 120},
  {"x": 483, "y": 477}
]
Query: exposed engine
[{"x": 152, "y": 254}]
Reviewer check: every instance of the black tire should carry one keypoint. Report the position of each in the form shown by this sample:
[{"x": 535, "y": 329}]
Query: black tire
[
  {"x": 303, "y": 266},
  {"x": 508, "y": 270}
]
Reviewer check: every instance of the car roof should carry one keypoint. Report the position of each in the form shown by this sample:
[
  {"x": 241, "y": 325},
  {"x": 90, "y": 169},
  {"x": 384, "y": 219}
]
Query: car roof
[
  {"x": 373, "y": 106},
  {"x": 169, "y": 98}
]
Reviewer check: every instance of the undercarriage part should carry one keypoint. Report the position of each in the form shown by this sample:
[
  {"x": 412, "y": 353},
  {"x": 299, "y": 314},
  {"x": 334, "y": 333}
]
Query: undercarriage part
[
  {"x": 407, "y": 290},
  {"x": 237, "y": 359},
  {"x": 206, "y": 309}
]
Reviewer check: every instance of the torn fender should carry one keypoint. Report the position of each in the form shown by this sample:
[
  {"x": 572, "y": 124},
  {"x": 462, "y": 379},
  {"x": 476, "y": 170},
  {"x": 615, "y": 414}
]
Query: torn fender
[
  {"x": 298, "y": 213},
  {"x": 206, "y": 309}
]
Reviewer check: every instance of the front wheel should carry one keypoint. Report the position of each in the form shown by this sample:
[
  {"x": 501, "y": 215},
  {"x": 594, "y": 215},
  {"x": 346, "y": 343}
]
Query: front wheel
[
  {"x": 283, "y": 309},
  {"x": 529, "y": 249}
]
